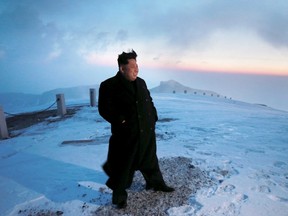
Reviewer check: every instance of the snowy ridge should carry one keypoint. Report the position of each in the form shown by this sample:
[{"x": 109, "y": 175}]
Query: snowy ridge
[
  {"x": 172, "y": 86},
  {"x": 73, "y": 93}
]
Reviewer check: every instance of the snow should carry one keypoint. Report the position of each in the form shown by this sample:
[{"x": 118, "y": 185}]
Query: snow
[{"x": 242, "y": 147}]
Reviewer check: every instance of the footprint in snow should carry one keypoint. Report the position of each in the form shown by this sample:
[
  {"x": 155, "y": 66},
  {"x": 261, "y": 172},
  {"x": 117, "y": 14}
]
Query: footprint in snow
[
  {"x": 261, "y": 189},
  {"x": 228, "y": 188}
]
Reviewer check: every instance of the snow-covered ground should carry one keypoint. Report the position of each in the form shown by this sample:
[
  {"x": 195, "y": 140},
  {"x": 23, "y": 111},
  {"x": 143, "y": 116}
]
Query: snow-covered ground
[{"x": 242, "y": 148}]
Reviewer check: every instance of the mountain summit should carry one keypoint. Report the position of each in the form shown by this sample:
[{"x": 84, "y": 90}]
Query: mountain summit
[{"x": 172, "y": 86}]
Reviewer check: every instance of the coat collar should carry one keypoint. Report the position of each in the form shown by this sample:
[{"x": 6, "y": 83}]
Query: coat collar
[{"x": 128, "y": 85}]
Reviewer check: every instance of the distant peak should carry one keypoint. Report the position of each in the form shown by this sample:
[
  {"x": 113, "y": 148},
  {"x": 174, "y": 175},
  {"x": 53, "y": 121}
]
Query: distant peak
[
  {"x": 169, "y": 82},
  {"x": 172, "y": 86}
]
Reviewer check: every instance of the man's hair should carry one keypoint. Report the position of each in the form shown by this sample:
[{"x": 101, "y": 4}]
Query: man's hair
[{"x": 124, "y": 57}]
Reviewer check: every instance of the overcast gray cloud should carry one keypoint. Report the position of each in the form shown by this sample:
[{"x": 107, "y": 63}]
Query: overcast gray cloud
[
  {"x": 190, "y": 22},
  {"x": 35, "y": 26},
  {"x": 25, "y": 36}
]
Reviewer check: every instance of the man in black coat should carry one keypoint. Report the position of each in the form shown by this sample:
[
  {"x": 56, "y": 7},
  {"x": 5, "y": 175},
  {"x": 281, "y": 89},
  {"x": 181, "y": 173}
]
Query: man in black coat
[{"x": 125, "y": 102}]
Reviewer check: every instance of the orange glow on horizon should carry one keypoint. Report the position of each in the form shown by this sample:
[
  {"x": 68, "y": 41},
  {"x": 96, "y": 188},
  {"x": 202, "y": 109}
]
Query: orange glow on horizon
[
  {"x": 225, "y": 69},
  {"x": 255, "y": 71},
  {"x": 92, "y": 58}
]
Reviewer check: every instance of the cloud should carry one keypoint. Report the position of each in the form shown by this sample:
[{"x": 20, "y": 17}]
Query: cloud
[
  {"x": 54, "y": 54},
  {"x": 98, "y": 25},
  {"x": 121, "y": 36},
  {"x": 275, "y": 30},
  {"x": 192, "y": 22},
  {"x": 25, "y": 35}
]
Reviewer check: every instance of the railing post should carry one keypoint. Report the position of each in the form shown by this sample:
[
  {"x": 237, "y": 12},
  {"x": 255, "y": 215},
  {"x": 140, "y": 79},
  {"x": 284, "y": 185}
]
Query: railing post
[
  {"x": 92, "y": 97},
  {"x": 61, "y": 108},
  {"x": 3, "y": 125}
]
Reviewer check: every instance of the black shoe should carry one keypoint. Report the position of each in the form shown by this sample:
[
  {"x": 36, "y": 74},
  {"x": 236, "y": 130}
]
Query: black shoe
[
  {"x": 148, "y": 187},
  {"x": 119, "y": 198},
  {"x": 164, "y": 188},
  {"x": 122, "y": 205}
]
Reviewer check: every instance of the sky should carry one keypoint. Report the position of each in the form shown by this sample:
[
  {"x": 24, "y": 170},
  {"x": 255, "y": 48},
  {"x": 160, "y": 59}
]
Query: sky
[{"x": 237, "y": 48}]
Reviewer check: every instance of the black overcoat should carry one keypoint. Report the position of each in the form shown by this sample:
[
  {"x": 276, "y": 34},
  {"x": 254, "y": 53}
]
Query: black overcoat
[{"x": 129, "y": 108}]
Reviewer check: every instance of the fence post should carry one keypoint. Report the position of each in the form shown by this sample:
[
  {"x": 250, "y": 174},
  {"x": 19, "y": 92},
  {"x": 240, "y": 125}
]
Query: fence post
[
  {"x": 61, "y": 108},
  {"x": 92, "y": 97},
  {"x": 3, "y": 125}
]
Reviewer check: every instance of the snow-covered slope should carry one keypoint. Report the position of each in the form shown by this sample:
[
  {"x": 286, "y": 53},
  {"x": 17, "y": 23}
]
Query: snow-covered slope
[
  {"x": 73, "y": 93},
  {"x": 19, "y": 102},
  {"x": 241, "y": 148}
]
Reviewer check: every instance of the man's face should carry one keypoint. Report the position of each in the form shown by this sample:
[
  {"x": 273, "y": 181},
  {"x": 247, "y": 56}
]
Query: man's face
[{"x": 130, "y": 70}]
